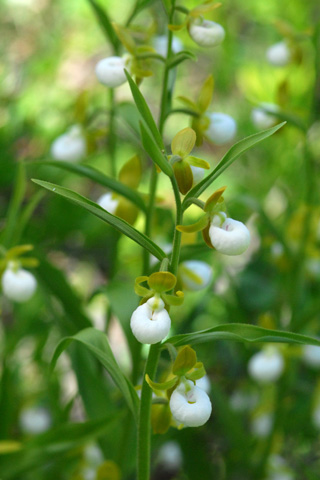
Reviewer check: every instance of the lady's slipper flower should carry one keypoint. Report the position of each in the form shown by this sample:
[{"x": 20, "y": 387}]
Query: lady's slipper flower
[
  {"x": 222, "y": 128},
  {"x": 161, "y": 44},
  {"x": 279, "y": 54},
  {"x": 195, "y": 275},
  {"x": 107, "y": 202},
  {"x": 71, "y": 146},
  {"x": 35, "y": 420},
  {"x": 150, "y": 323},
  {"x": 18, "y": 284},
  {"x": 206, "y": 33},
  {"x": 261, "y": 425},
  {"x": 190, "y": 405},
  {"x": 261, "y": 118},
  {"x": 228, "y": 236},
  {"x": 110, "y": 71},
  {"x": 266, "y": 366}
]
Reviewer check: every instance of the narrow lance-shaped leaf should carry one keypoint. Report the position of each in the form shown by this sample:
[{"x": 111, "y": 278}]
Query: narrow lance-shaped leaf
[
  {"x": 99, "y": 212},
  {"x": 241, "y": 332},
  {"x": 232, "y": 155},
  {"x": 105, "y": 24},
  {"x": 154, "y": 152},
  {"x": 97, "y": 343},
  {"x": 100, "y": 178},
  {"x": 144, "y": 110}
]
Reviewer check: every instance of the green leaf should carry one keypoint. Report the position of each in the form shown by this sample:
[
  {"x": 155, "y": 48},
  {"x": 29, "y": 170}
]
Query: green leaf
[
  {"x": 232, "y": 155},
  {"x": 242, "y": 332},
  {"x": 154, "y": 151},
  {"x": 181, "y": 57},
  {"x": 97, "y": 343},
  {"x": 100, "y": 178},
  {"x": 99, "y": 212},
  {"x": 144, "y": 110},
  {"x": 106, "y": 25}
]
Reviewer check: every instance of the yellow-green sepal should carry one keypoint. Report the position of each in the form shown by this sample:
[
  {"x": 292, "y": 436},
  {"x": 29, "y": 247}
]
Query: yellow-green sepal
[
  {"x": 194, "y": 227},
  {"x": 160, "y": 418},
  {"x": 205, "y": 95},
  {"x": 197, "y": 162},
  {"x": 108, "y": 470},
  {"x": 139, "y": 289},
  {"x": 30, "y": 262},
  {"x": 15, "y": 252},
  {"x": 159, "y": 387},
  {"x": 130, "y": 173},
  {"x": 205, "y": 7},
  {"x": 197, "y": 372},
  {"x": 174, "y": 300},
  {"x": 185, "y": 361},
  {"x": 125, "y": 37},
  {"x": 188, "y": 103},
  {"x": 183, "y": 142},
  {"x": 215, "y": 198},
  {"x": 162, "y": 281},
  {"x": 183, "y": 175}
]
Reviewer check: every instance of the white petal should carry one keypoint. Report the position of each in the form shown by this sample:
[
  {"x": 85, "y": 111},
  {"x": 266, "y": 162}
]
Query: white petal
[
  {"x": 170, "y": 455},
  {"x": 232, "y": 238},
  {"x": 18, "y": 285},
  {"x": 192, "y": 414},
  {"x": 206, "y": 33},
  {"x": 222, "y": 128},
  {"x": 161, "y": 43},
  {"x": 266, "y": 366},
  {"x": 198, "y": 174},
  {"x": 69, "y": 147},
  {"x": 201, "y": 270},
  {"x": 278, "y": 54},
  {"x": 262, "y": 119},
  {"x": 150, "y": 326},
  {"x": 311, "y": 355},
  {"x": 108, "y": 203},
  {"x": 261, "y": 425},
  {"x": 110, "y": 71},
  {"x": 204, "y": 384}
]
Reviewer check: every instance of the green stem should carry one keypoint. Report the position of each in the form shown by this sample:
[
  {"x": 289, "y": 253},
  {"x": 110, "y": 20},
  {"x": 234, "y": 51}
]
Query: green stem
[
  {"x": 112, "y": 143},
  {"x": 177, "y": 235},
  {"x": 144, "y": 426},
  {"x": 149, "y": 216}
]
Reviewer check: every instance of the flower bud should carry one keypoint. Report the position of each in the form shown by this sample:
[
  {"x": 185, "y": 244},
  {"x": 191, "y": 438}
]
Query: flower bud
[
  {"x": 110, "y": 71},
  {"x": 150, "y": 323},
  {"x": 190, "y": 405},
  {"x": 18, "y": 285},
  {"x": 222, "y": 128},
  {"x": 71, "y": 146},
  {"x": 262, "y": 119},
  {"x": 231, "y": 238},
  {"x": 34, "y": 420},
  {"x": 108, "y": 203},
  {"x": 161, "y": 44},
  {"x": 261, "y": 425},
  {"x": 266, "y": 366},
  {"x": 206, "y": 33},
  {"x": 311, "y": 356},
  {"x": 279, "y": 54},
  {"x": 195, "y": 275}
]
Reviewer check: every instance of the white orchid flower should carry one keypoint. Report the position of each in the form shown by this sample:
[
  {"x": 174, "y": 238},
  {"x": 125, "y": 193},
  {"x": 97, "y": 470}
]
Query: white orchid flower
[
  {"x": 170, "y": 455},
  {"x": 222, "y": 128},
  {"x": 35, "y": 420},
  {"x": 71, "y": 146},
  {"x": 161, "y": 44},
  {"x": 311, "y": 356},
  {"x": 261, "y": 425},
  {"x": 190, "y": 405},
  {"x": 228, "y": 236},
  {"x": 266, "y": 366},
  {"x": 18, "y": 284},
  {"x": 110, "y": 71},
  {"x": 195, "y": 275},
  {"x": 206, "y": 33},
  {"x": 262, "y": 119},
  {"x": 150, "y": 323},
  {"x": 108, "y": 203},
  {"x": 279, "y": 54}
]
